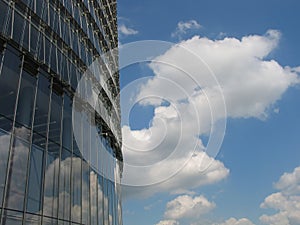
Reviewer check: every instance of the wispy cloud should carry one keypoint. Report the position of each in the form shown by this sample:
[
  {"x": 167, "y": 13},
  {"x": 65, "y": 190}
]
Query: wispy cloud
[
  {"x": 126, "y": 31},
  {"x": 184, "y": 27}
]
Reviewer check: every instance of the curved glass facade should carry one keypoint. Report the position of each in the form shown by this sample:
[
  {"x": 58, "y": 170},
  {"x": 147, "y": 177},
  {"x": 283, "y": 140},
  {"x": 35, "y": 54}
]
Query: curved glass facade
[{"x": 45, "y": 47}]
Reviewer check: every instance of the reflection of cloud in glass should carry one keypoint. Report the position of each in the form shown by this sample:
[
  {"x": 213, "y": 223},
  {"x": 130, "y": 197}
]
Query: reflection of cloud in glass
[
  {"x": 16, "y": 169},
  {"x": 4, "y": 146},
  {"x": 61, "y": 176}
]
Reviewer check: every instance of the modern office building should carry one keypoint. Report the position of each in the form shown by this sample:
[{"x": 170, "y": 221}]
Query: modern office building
[{"x": 45, "y": 48}]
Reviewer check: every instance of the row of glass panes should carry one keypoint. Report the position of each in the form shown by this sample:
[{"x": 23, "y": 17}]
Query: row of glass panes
[
  {"x": 54, "y": 16},
  {"x": 37, "y": 42},
  {"x": 60, "y": 24}
]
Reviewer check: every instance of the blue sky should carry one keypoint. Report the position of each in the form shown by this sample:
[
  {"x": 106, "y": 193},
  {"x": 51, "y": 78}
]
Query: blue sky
[{"x": 258, "y": 163}]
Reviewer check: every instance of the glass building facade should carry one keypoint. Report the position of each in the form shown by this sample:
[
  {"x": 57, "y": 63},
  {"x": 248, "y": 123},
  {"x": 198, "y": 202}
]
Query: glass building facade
[{"x": 45, "y": 47}]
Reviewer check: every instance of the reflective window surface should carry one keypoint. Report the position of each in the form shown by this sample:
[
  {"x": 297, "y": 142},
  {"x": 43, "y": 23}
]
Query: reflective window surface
[{"x": 45, "y": 47}]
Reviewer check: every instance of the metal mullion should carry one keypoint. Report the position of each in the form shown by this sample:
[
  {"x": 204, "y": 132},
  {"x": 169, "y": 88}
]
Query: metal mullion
[
  {"x": 10, "y": 154},
  {"x": 30, "y": 149},
  {"x": 46, "y": 154}
]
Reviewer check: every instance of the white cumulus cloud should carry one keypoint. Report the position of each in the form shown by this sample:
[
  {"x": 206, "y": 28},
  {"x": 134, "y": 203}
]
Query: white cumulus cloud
[
  {"x": 186, "y": 206},
  {"x": 286, "y": 201},
  {"x": 188, "y": 178},
  {"x": 251, "y": 84}
]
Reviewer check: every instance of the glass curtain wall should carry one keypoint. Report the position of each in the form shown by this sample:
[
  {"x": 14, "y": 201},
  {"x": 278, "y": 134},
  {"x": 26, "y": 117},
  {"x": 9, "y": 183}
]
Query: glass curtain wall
[{"x": 45, "y": 47}]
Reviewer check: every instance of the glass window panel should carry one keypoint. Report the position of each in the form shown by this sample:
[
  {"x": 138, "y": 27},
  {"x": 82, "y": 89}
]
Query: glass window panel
[
  {"x": 90, "y": 27},
  {"x": 66, "y": 4},
  {"x": 9, "y": 23},
  {"x": 83, "y": 52},
  {"x": 77, "y": 13},
  {"x": 34, "y": 40},
  {"x": 12, "y": 218},
  {"x": 42, "y": 106},
  {"x": 100, "y": 200},
  {"x": 3, "y": 10},
  {"x": 83, "y": 23},
  {"x": 94, "y": 148},
  {"x": 65, "y": 68},
  {"x": 76, "y": 189},
  {"x": 26, "y": 100},
  {"x": 51, "y": 16},
  {"x": 93, "y": 197},
  {"x": 9, "y": 80},
  {"x": 47, "y": 51},
  {"x": 17, "y": 174},
  {"x": 75, "y": 42},
  {"x": 110, "y": 202},
  {"x": 35, "y": 180},
  {"x": 1, "y": 53},
  {"x": 29, "y": 3},
  {"x": 4, "y": 148},
  {"x": 86, "y": 137},
  {"x": 31, "y": 219},
  {"x": 59, "y": 62},
  {"x": 64, "y": 185},
  {"x": 51, "y": 181},
  {"x": 85, "y": 193},
  {"x": 49, "y": 221},
  {"x": 39, "y": 141},
  {"x": 46, "y": 11},
  {"x": 96, "y": 42},
  {"x": 67, "y": 123},
  {"x": 67, "y": 31},
  {"x": 105, "y": 202},
  {"x": 39, "y": 7},
  {"x": 25, "y": 32},
  {"x": 56, "y": 22},
  {"x": 73, "y": 76},
  {"x": 18, "y": 27},
  {"x": 53, "y": 58},
  {"x": 55, "y": 118},
  {"x": 41, "y": 47}
]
